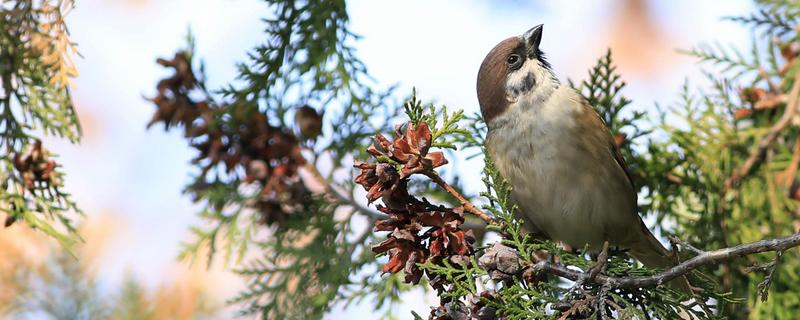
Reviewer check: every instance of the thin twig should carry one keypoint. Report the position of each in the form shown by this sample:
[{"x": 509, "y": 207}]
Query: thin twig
[
  {"x": 468, "y": 206},
  {"x": 685, "y": 245},
  {"x": 363, "y": 237},
  {"x": 620, "y": 310},
  {"x": 601, "y": 301},
  {"x": 768, "y": 139},
  {"x": 600, "y": 264},
  {"x": 763, "y": 287},
  {"x": 578, "y": 307},
  {"x": 343, "y": 197},
  {"x": 706, "y": 258},
  {"x": 786, "y": 178}
]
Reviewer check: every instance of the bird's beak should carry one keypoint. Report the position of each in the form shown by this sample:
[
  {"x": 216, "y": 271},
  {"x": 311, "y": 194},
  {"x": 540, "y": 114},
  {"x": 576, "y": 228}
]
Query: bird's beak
[{"x": 533, "y": 37}]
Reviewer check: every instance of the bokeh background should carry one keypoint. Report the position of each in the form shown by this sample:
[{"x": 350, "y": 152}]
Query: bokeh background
[{"x": 128, "y": 179}]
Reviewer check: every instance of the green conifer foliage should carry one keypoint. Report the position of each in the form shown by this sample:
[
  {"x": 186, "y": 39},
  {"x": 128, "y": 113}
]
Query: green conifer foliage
[
  {"x": 284, "y": 205},
  {"x": 35, "y": 70}
]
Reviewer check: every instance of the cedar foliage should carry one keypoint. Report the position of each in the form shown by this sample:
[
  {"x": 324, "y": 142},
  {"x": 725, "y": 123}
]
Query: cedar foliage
[
  {"x": 36, "y": 55},
  {"x": 314, "y": 248},
  {"x": 274, "y": 174}
]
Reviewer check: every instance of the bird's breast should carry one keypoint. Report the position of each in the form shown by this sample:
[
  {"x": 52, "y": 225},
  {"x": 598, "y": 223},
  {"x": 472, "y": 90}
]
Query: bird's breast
[{"x": 563, "y": 179}]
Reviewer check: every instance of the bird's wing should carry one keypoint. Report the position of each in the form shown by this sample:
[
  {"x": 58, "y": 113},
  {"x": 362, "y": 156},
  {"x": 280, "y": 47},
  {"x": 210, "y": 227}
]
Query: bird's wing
[
  {"x": 621, "y": 162},
  {"x": 613, "y": 149},
  {"x": 647, "y": 248}
]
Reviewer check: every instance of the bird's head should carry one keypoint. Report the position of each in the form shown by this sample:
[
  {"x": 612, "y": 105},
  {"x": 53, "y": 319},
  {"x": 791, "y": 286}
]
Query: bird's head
[{"x": 515, "y": 70}]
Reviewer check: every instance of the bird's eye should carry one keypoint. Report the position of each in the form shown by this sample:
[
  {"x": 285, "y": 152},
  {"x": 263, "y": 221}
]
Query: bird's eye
[{"x": 513, "y": 60}]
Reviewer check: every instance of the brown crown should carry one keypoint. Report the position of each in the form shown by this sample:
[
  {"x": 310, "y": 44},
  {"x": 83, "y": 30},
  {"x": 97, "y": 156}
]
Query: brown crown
[{"x": 492, "y": 77}]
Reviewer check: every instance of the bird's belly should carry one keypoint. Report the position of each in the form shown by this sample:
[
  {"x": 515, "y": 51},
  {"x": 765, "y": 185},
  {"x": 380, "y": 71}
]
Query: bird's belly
[
  {"x": 565, "y": 192},
  {"x": 550, "y": 198}
]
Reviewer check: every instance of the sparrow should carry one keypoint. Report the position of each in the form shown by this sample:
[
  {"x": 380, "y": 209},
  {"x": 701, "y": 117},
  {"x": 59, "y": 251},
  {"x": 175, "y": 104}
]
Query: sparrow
[{"x": 568, "y": 179}]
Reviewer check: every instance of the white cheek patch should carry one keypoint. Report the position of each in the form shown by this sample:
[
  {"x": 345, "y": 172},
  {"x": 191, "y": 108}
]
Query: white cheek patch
[
  {"x": 532, "y": 81},
  {"x": 520, "y": 82}
]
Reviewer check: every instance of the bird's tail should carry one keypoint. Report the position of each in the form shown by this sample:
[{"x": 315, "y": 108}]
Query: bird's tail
[{"x": 652, "y": 254}]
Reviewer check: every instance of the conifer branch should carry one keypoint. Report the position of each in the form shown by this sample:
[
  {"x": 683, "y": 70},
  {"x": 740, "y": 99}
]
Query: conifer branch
[
  {"x": 768, "y": 139},
  {"x": 468, "y": 206},
  {"x": 702, "y": 259}
]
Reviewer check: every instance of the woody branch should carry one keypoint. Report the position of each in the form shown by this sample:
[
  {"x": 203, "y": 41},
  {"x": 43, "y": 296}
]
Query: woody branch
[{"x": 704, "y": 258}]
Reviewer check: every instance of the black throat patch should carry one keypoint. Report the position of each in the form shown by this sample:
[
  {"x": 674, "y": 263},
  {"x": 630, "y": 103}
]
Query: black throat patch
[{"x": 523, "y": 86}]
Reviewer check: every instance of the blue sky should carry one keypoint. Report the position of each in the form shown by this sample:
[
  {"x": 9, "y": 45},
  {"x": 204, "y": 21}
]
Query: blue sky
[{"x": 136, "y": 175}]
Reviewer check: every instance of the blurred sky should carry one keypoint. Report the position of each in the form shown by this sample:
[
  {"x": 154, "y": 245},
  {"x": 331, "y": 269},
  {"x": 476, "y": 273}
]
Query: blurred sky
[{"x": 136, "y": 175}]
